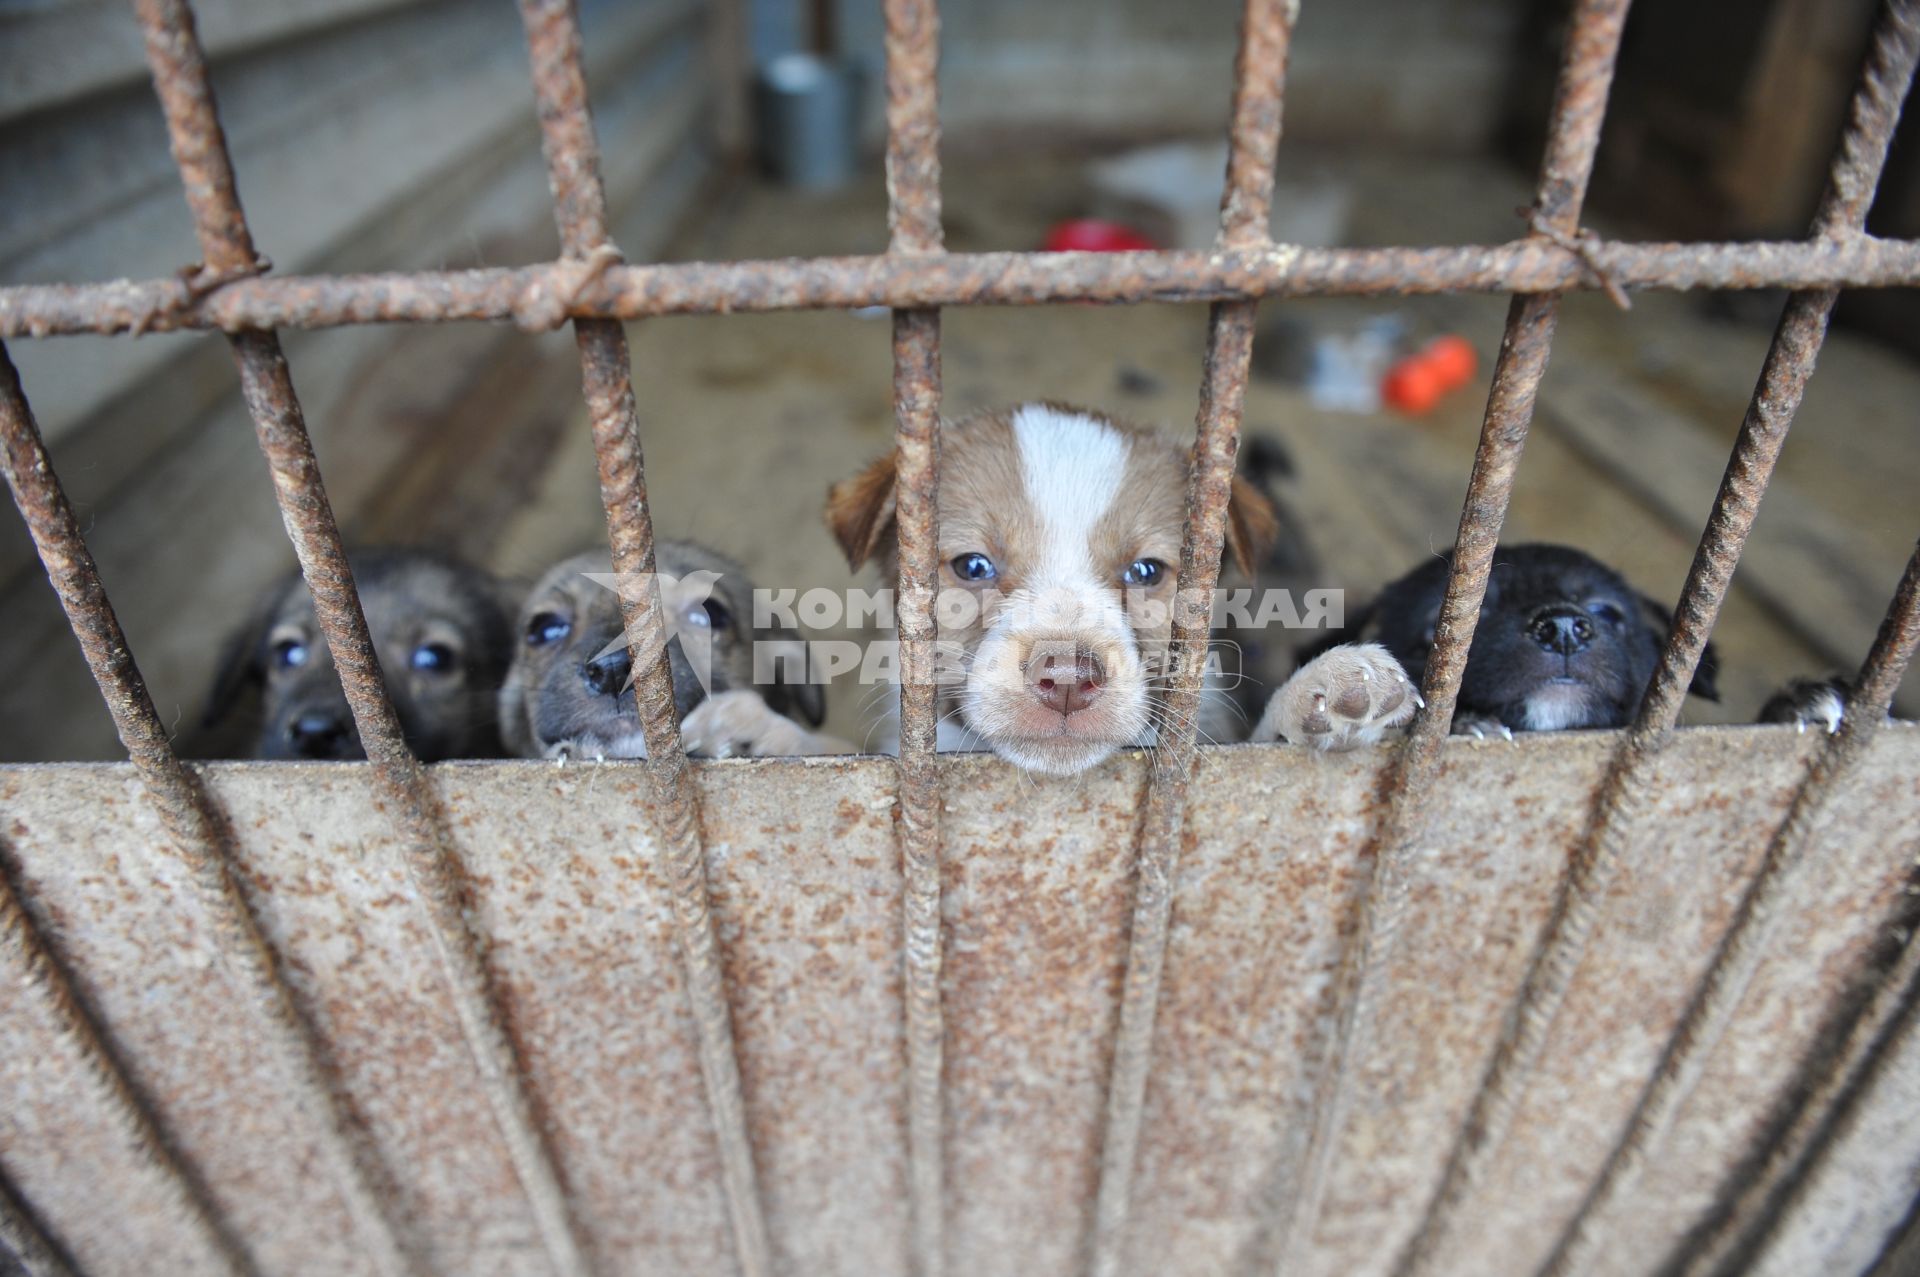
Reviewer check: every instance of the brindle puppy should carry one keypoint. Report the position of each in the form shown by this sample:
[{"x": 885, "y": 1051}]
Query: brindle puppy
[
  {"x": 439, "y": 630},
  {"x": 570, "y": 691},
  {"x": 1563, "y": 642}
]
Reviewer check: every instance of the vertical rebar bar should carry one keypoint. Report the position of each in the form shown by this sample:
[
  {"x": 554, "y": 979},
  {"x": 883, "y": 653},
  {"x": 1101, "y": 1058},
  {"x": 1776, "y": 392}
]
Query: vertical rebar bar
[
  {"x": 913, "y": 216},
  {"x": 1253, "y": 140},
  {"x": 42, "y": 973},
  {"x": 580, "y": 211},
  {"x": 1743, "y": 1219},
  {"x": 180, "y": 78},
  {"x": 195, "y": 831},
  {"x": 1573, "y": 137},
  {"x": 1621, "y": 798},
  {"x": 25, "y": 1242},
  {"x": 1743, "y": 947}
]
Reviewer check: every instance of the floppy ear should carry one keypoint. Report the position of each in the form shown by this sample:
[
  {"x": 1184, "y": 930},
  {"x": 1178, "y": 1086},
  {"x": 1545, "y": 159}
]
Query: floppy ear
[
  {"x": 242, "y": 666},
  {"x": 1252, "y": 525},
  {"x": 860, "y": 510},
  {"x": 1706, "y": 674}
]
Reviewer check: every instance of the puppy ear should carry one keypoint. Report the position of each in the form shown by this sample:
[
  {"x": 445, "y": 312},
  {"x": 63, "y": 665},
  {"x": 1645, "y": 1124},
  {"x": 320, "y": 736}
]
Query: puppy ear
[
  {"x": 860, "y": 510},
  {"x": 1252, "y": 525},
  {"x": 1706, "y": 674},
  {"x": 242, "y": 665}
]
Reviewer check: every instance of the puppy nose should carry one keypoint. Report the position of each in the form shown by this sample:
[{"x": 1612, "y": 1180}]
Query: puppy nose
[
  {"x": 318, "y": 735},
  {"x": 1565, "y": 630},
  {"x": 1066, "y": 681},
  {"x": 607, "y": 675}
]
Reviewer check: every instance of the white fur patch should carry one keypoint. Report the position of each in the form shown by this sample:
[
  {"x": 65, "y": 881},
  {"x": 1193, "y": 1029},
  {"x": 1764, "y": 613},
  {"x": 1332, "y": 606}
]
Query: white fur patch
[
  {"x": 1557, "y": 706},
  {"x": 1073, "y": 467}
]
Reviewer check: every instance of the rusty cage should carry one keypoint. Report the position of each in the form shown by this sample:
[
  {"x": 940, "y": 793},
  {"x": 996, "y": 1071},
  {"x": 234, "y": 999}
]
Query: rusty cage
[{"x": 1414, "y": 1050}]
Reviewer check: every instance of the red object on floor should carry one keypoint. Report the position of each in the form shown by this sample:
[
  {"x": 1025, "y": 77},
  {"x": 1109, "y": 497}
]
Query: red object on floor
[
  {"x": 1418, "y": 382},
  {"x": 1412, "y": 385},
  {"x": 1453, "y": 358},
  {"x": 1091, "y": 235}
]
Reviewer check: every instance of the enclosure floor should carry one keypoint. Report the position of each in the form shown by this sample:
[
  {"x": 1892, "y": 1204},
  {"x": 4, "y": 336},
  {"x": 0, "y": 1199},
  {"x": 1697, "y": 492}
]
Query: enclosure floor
[{"x": 748, "y": 419}]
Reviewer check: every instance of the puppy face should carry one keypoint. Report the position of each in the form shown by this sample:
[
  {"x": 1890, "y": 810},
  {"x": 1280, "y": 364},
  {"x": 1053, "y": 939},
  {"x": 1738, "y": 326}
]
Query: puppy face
[
  {"x": 1059, "y": 543},
  {"x": 1563, "y": 641},
  {"x": 570, "y": 689},
  {"x": 442, "y": 639}
]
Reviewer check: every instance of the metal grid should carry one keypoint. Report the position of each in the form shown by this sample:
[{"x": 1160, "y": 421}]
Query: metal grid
[{"x": 594, "y": 289}]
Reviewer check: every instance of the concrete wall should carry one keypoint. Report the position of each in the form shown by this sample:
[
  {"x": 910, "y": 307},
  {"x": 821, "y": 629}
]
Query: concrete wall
[{"x": 1395, "y": 72}]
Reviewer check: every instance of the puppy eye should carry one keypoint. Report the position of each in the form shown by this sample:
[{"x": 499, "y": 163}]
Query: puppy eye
[
  {"x": 1611, "y": 613},
  {"x": 547, "y": 627},
  {"x": 1143, "y": 572},
  {"x": 974, "y": 567},
  {"x": 711, "y": 613},
  {"x": 437, "y": 658},
  {"x": 289, "y": 654}
]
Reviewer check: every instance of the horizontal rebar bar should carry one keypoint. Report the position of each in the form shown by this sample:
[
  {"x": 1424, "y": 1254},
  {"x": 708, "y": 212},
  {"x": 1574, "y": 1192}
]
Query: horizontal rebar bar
[{"x": 1532, "y": 265}]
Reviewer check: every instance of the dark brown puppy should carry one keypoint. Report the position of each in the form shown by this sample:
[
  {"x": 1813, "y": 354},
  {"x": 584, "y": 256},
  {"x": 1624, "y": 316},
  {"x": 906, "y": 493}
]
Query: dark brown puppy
[
  {"x": 440, "y": 632},
  {"x": 1563, "y": 642},
  {"x": 569, "y": 693}
]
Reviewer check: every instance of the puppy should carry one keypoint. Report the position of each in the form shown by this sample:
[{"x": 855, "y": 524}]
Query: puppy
[
  {"x": 1820, "y": 702},
  {"x": 440, "y": 632},
  {"x": 569, "y": 693},
  {"x": 1563, "y": 642},
  {"x": 1059, "y": 534}
]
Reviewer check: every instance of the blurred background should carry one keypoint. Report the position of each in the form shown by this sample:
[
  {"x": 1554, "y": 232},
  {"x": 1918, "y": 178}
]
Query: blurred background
[{"x": 399, "y": 134}]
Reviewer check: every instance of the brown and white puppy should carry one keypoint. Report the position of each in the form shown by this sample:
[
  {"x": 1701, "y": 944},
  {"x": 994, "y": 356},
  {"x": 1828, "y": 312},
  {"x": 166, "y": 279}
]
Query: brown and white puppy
[
  {"x": 441, "y": 634},
  {"x": 1059, "y": 535},
  {"x": 1563, "y": 641},
  {"x": 570, "y": 691}
]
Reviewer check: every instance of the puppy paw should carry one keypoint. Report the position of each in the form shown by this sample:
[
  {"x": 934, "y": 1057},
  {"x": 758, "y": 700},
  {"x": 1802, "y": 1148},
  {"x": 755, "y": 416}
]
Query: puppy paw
[
  {"x": 1821, "y": 702},
  {"x": 740, "y": 724},
  {"x": 1344, "y": 698},
  {"x": 1481, "y": 727}
]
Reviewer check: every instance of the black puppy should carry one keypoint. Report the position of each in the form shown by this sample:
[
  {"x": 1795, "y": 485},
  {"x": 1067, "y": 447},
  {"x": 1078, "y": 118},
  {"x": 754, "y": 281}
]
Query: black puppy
[
  {"x": 443, "y": 638},
  {"x": 1563, "y": 642},
  {"x": 1820, "y": 701}
]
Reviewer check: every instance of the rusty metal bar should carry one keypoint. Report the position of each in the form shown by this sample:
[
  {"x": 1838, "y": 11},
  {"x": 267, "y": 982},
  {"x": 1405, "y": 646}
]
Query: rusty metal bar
[
  {"x": 1586, "y": 73},
  {"x": 1741, "y": 1225},
  {"x": 194, "y": 828},
  {"x": 1620, "y": 797},
  {"x": 580, "y": 211},
  {"x": 1259, "y": 84},
  {"x": 1532, "y": 265},
  {"x": 25, "y": 1242},
  {"x": 1745, "y": 944},
  {"x": 913, "y": 218},
  {"x": 199, "y": 146},
  {"x": 132, "y": 1115}
]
